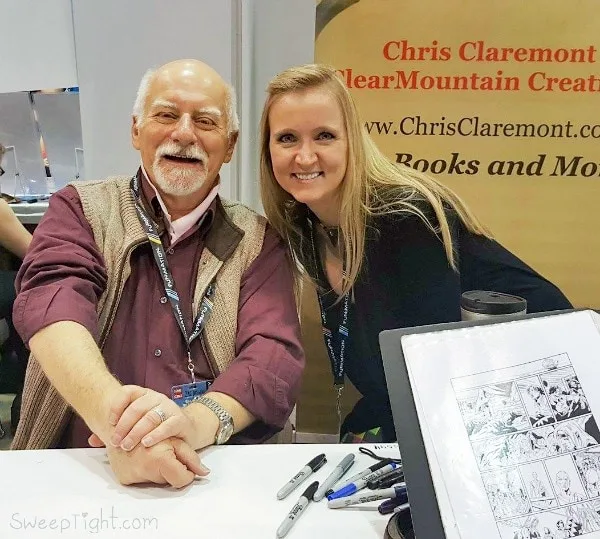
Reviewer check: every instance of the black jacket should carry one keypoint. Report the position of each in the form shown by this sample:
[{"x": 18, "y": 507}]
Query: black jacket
[{"x": 407, "y": 281}]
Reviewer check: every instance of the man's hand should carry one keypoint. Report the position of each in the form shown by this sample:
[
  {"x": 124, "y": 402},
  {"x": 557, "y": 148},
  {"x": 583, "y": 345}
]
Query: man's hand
[
  {"x": 171, "y": 462},
  {"x": 137, "y": 414},
  {"x": 141, "y": 415}
]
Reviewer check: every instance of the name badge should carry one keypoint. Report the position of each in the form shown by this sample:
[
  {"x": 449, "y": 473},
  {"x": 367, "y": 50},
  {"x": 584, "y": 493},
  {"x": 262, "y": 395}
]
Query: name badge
[{"x": 183, "y": 394}]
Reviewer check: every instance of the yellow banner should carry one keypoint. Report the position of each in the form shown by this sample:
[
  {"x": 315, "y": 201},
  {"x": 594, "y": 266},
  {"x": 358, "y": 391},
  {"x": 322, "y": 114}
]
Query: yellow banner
[{"x": 497, "y": 99}]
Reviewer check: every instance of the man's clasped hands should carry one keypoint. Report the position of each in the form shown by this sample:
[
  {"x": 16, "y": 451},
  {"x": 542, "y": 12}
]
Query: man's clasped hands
[{"x": 150, "y": 439}]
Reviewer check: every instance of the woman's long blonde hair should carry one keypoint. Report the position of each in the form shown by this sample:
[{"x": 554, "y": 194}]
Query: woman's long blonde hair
[{"x": 373, "y": 185}]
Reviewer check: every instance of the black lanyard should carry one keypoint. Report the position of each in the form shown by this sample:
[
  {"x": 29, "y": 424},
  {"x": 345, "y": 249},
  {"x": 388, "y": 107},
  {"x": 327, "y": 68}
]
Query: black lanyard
[
  {"x": 337, "y": 360},
  {"x": 160, "y": 258}
]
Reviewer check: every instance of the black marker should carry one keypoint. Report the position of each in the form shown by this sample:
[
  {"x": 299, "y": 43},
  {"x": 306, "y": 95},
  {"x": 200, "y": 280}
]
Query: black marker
[
  {"x": 387, "y": 480},
  {"x": 297, "y": 510},
  {"x": 302, "y": 475}
]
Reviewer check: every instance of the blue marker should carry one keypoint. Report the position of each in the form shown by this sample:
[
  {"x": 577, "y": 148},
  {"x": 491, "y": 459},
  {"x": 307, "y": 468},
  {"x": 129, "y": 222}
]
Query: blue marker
[
  {"x": 351, "y": 488},
  {"x": 397, "y": 491},
  {"x": 360, "y": 475}
]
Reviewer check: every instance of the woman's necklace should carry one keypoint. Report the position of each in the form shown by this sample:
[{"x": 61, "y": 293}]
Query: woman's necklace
[{"x": 332, "y": 233}]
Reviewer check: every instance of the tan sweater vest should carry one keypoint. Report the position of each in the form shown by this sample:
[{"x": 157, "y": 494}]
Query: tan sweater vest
[{"x": 234, "y": 240}]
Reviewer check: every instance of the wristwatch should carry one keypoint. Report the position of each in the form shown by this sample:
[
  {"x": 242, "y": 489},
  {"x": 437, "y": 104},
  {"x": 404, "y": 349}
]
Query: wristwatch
[{"x": 226, "y": 427}]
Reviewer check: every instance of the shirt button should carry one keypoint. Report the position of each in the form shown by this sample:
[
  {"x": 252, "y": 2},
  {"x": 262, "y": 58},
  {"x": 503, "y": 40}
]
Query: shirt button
[
  {"x": 170, "y": 250},
  {"x": 157, "y": 352},
  {"x": 163, "y": 299}
]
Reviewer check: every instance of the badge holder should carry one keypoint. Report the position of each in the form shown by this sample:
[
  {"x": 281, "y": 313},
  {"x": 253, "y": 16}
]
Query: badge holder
[{"x": 184, "y": 394}]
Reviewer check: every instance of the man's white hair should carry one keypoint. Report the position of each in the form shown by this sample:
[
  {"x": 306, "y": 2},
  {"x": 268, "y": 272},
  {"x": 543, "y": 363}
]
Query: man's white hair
[{"x": 233, "y": 123}]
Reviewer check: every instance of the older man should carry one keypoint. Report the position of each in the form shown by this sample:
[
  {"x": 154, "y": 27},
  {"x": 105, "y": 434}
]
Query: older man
[{"x": 142, "y": 292}]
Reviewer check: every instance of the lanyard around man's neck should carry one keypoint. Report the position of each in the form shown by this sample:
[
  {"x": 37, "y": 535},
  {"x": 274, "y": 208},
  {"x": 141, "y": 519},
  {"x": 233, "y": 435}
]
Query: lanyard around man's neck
[{"x": 160, "y": 258}]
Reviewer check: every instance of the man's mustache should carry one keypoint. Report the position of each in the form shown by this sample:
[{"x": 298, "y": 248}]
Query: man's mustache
[{"x": 175, "y": 150}]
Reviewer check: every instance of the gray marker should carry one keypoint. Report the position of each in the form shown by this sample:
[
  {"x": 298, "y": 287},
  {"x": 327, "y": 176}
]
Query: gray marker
[
  {"x": 402, "y": 508},
  {"x": 297, "y": 510},
  {"x": 335, "y": 476},
  {"x": 302, "y": 475}
]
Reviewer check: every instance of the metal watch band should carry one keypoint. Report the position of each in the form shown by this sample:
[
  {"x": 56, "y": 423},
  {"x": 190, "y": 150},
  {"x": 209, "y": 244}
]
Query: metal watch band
[
  {"x": 226, "y": 427},
  {"x": 215, "y": 407}
]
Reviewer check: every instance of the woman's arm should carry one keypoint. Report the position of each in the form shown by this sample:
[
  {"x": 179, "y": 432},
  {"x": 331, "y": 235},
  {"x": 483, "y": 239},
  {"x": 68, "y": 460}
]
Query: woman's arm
[
  {"x": 487, "y": 265},
  {"x": 13, "y": 235}
]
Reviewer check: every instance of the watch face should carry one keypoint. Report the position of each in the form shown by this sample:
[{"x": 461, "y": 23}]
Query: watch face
[{"x": 225, "y": 433}]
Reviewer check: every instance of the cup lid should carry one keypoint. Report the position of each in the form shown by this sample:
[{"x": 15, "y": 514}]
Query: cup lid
[{"x": 489, "y": 302}]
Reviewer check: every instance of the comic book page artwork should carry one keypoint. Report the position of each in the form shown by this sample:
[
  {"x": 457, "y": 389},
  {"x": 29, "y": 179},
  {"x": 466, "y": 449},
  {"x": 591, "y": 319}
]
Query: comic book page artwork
[{"x": 536, "y": 444}]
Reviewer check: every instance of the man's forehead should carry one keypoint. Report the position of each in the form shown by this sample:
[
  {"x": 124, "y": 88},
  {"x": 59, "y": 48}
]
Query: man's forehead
[
  {"x": 188, "y": 92},
  {"x": 187, "y": 100}
]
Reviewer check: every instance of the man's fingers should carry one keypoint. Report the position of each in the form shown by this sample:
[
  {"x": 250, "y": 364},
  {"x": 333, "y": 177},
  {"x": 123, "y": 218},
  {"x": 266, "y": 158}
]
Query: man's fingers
[
  {"x": 187, "y": 456},
  {"x": 175, "y": 472},
  {"x": 125, "y": 397},
  {"x": 134, "y": 413},
  {"x": 95, "y": 441},
  {"x": 173, "y": 462},
  {"x": 171, "y": 428},
  {"x": 149, "y": 431}
]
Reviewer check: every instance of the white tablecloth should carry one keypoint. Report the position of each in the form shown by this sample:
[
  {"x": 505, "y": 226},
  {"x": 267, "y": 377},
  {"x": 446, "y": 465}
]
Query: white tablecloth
[{"x": 73, "y": 493}]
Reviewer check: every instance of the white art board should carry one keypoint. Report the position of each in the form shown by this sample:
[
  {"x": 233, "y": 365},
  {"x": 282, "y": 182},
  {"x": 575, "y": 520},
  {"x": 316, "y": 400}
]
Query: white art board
[{"x": 507, "y": 416}]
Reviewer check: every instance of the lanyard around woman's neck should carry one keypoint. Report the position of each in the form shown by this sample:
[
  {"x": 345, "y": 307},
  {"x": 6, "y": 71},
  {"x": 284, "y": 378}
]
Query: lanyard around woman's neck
[{"x": 337, "y": 360}]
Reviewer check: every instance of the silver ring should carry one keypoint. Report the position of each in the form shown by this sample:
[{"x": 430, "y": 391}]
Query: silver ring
[{"x": 161, "y": 415}]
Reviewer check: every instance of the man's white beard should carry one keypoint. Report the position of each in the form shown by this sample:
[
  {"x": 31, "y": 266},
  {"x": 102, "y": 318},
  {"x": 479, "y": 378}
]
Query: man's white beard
[
  {"x": 177, "y": 181},
  {"x": 174, "y": 180}
]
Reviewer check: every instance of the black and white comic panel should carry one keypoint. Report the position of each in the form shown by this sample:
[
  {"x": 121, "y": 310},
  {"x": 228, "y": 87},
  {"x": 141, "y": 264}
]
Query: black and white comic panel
[{"x": 536, "y": 444}]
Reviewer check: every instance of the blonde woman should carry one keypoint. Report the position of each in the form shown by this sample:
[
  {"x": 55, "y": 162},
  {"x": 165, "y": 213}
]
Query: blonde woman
[{"x": 387, "y": 246}]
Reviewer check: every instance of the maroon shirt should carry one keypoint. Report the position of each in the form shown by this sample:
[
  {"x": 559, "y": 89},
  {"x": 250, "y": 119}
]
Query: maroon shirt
[{"x": 63, "y": 276}]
